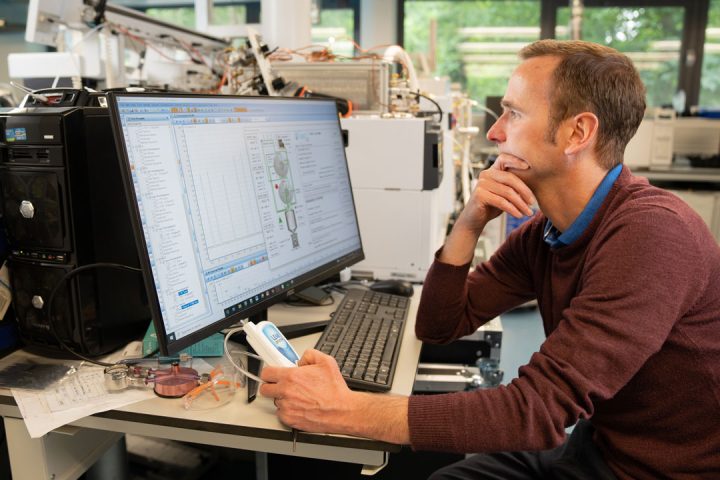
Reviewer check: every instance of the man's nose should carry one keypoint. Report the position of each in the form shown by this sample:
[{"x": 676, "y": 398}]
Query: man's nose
[{"x": 496, "y": 134}]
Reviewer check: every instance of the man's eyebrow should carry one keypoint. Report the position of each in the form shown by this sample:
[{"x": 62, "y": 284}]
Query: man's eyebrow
[{"x": 507, "y": 104}]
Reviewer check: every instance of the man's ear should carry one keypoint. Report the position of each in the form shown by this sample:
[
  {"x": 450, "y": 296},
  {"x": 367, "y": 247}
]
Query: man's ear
[{"x": 584, "y": 128}]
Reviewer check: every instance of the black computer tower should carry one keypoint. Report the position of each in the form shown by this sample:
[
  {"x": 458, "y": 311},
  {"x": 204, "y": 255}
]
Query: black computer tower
[{"x": 64, "y": 207}]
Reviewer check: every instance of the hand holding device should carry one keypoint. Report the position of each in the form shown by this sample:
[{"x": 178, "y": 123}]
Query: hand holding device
[{"x": 271, "y": 344}]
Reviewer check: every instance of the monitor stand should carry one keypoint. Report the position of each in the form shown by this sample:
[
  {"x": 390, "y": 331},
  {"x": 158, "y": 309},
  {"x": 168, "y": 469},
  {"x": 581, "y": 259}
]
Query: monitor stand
[{"x": 312, "y": 295}]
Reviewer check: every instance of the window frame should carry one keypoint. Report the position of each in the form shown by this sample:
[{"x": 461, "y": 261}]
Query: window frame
[{"x": 691, "y": 45}]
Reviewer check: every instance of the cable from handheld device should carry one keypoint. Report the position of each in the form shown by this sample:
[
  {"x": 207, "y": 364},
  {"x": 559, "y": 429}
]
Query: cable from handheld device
[
  {"x": 57, "y": 288},
  {"x": 247, "y": 354}
]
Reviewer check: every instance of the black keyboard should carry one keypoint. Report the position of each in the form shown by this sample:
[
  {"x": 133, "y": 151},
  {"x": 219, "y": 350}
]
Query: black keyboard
[{"x": 364, "y": 336}]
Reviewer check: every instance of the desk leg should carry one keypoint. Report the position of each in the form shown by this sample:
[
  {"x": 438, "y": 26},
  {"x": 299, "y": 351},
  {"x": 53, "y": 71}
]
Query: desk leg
[
  {"x": 261, "y": 466},
  {"x": 59, "y": 456}
]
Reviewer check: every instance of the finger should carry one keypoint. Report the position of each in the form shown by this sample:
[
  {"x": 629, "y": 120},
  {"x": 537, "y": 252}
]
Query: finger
[
  {"x": 511, "y": 201},
  {"x": 312, "y": 356},
  {"x": 273, "y": 374},
  {"x": 270, "y": 390},
  {"x": 507, "y": 163},
  {"x": 501, "y": 190},
  {"x": 516, "y": 183},
  {"x": 308, "y": 357},
  {"x": 504, "y": 204}
]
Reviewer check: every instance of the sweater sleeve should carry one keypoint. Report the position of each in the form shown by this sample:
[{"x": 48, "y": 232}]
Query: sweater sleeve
[
  {"x": 641, "y": 274},
  {"x": 455, "y": 303}
]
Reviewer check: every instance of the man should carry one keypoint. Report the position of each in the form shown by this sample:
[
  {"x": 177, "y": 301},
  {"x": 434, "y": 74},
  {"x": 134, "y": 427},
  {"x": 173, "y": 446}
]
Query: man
[{"x": 627, "y": 279}]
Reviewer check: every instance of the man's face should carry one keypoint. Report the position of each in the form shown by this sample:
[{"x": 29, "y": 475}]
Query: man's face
[{"x": 521, "y": 132}]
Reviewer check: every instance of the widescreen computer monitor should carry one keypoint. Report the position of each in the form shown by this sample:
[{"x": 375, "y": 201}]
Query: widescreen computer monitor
[{"x": 236, "y": 203}]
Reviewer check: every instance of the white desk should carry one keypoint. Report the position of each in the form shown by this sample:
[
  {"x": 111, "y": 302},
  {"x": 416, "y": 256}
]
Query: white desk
[{"x": 67, "y": 452}]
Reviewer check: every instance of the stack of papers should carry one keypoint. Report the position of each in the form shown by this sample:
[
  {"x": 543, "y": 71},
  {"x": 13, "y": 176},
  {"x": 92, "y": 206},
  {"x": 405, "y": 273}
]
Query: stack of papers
[{"x": 51, "y": 394}]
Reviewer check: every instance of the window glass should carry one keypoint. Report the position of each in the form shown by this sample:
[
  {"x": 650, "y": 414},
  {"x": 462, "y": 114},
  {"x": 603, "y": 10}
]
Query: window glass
[
  {"x": 649, "y": 36},
  {"x": 710, "y": 80},
  {"x": 182, "y": 16},
  {"x": 477, "y": 40},
  {"x": 185, "y": 16},
  {"x": 229, "y": 15},
  {"x": 335, "y": 30}
]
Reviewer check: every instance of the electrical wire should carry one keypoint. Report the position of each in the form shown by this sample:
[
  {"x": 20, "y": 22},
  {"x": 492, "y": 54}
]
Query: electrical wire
[
  {"x": 324, "y": 54},
  {"x": 141, "y": 41},
  {"x": 60, "y": 284},
  {"x": 426, "y": 97},
  {"x": 194, "y": 53},
  {"x": 220, "y": 71},
  {"x": 29, "y": 94},
  {"x": 228, "y": 355}
]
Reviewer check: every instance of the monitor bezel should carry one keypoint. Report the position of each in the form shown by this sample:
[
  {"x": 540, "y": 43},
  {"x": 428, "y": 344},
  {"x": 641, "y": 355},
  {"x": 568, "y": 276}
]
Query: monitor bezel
[{"x": 305, "y": 280}]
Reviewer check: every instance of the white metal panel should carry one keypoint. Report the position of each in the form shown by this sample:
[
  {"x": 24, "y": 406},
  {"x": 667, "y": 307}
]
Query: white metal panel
[
  {"x": 662, "y": 144},
  {"x": 55, "y": 455},
  {"x": 697, "y": 136},
  {"x": 286, "y": 23},
  {"x": 639, "y": 149},
  {"x": 400, "y": 230},
  {"x": 50, "y": 64},
  {"x": 385, "y": 153}
]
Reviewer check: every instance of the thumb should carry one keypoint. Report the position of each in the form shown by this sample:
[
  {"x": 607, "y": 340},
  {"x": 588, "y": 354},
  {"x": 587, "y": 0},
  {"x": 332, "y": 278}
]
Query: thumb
[{"x": 313, "y": 357}]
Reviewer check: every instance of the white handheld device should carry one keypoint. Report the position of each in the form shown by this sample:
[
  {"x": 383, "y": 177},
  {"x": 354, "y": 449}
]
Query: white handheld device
[{"x": 271, "y": 344}]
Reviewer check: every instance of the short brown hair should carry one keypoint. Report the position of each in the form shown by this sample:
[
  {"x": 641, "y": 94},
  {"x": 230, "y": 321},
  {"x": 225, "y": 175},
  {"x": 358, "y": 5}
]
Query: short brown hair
[{"x": 598, "y": 79}]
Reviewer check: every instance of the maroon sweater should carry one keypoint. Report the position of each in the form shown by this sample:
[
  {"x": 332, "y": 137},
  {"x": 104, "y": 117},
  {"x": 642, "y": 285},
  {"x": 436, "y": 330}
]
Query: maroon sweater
[{"x": 631, "y": 311}]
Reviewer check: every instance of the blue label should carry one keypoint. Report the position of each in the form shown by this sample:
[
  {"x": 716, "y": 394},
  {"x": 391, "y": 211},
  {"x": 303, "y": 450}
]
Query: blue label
[
  {"x": 13, "y": 134},
  {"x": 189, "y": 304},
  {"x": 279, "y": 342}
]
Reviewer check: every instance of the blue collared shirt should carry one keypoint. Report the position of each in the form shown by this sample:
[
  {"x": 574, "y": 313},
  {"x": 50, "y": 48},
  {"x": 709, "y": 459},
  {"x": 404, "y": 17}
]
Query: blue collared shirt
[{"x": 557, "y": 239}]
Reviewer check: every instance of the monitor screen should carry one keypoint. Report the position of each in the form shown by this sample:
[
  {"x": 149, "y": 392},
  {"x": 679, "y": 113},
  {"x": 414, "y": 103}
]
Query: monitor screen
[{"x": 237, "y": 202}]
